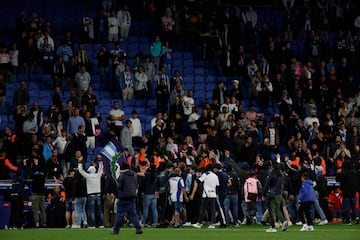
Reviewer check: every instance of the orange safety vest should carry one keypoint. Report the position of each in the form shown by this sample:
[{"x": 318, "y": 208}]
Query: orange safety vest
[
  {"x": 204, "y": 162},
  {"x": 8, "y": 164},
  {"x": 158, "y": 160}
]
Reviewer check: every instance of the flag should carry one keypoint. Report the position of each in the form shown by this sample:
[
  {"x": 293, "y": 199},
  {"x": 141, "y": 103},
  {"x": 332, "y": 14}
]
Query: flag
[{"x": 112, "y": 156}]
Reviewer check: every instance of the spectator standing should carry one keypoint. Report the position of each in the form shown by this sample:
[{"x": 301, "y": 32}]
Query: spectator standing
[
  {"x": 306, "y": 199},
  {"x": 38, "y": 174},
  {"x": 273, "y": 193},
  {"x": 103, "y": 57},
  {"x": 75, "y": 121},
  {"x": 68, "y": 184},
  {"x": 116, "y": 116},
  {"x": 149, "y": 198},
  {"x": 101, "y": 26},
  {"x": 177, "y": 194},
  {"x": 137, "y": 129},
  {"x": 90, "y": 100},
  {"x": 124, "y": 19},
  {"x": 88, "y": 28},
  {"x": 113, "y": 34},
  {"x": 127, "y": 191},
  {"x": 93, "y": 187},
  {"x": 79, "y": 198},
  {"x": 21, "y": 96},
  {"x": 349, "y": 184},
  {"x": 210, "y": 183},
  {"x": 127, "y": 82}
]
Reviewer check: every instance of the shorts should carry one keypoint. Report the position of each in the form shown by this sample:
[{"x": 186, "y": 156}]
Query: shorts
[
  {"x": 69, "y": 206},
  {"x": 176, "y": 206}
]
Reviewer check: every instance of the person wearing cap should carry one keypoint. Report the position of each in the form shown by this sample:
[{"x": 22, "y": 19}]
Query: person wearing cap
[
  {"x": 93, "y": 187},
  {"x": 126, "y": 138},
  {"x": 236, "y": 90}
]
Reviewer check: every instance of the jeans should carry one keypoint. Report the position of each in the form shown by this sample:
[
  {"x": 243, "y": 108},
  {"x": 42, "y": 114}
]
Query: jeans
[
  {"x": 231, "y": 201},
  {"x": 94, "y": 206},
  {"x": 318, "y": 208},
  {"x": 349, "y": 203},
  {"x": 126, "y": 206},
  {"x": 292, "y": 206},
  {"x": 149, "y": 201},
  {"x": 80, "y": 212},
  {"x": 261, "y": 207}
]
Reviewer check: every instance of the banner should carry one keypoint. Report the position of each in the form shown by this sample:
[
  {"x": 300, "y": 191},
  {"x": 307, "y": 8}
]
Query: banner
[{"x": 112, "y": 156}]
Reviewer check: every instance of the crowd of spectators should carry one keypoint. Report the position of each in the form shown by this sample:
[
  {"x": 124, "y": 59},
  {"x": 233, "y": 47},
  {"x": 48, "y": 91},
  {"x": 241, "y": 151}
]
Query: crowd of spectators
[{"x": 298, "y": 110}]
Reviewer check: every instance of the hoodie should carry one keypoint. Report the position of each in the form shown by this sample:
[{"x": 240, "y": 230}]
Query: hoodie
[
  {"x": 307, "y": 193},
  {"x": 93, "y": 178}
]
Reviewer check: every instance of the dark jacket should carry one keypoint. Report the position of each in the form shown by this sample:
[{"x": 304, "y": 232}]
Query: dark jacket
[
  {"x": 307, "y": 193},
  {"x": 349, "y": 180},
  {"x": 274, "y": 183},
  {"x": 38, "y": 179},
  {"x": 127, "y": 185},
  {"x": 79, "y": 187}
]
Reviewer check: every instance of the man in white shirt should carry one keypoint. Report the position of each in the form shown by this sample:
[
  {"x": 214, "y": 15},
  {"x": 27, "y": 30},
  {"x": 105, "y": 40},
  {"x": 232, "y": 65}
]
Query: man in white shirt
[
  {"x": 308, "y": 121},
  {"x": 124, "y": 19},
  {"x": 60, "y": 144},
  {"x": 137, "y": 129},
  {"x": 117, "y": 116},
  {"x": 210, "y": 183},
  {"x": 113, "y": 30}
]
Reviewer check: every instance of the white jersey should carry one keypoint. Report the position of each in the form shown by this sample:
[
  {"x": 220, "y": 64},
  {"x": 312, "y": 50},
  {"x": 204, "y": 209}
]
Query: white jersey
[
  {"x": 176, "y": 184},
  {"x": 210, "y": 181}
]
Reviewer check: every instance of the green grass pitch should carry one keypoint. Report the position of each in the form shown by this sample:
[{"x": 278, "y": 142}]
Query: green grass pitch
[{"x": 253, "y": 232}]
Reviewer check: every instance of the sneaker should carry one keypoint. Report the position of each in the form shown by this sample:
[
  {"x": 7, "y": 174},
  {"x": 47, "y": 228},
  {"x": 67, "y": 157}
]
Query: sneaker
[
  {"x": 357, "y": 220},
  {"x": 236, "y": 225},
  {"x": 68, "y": 226},
  {"x": 75, "y": 226},
  {"x": 289, "y": 223},
  {"x": 271, "y": 230},
  {"x": 91, "y": 227},
  {"x": 244, "y": 222},
  {"x": 187, "y": 224},
  {"x": 323, "y": 222},
  {"x": 101, "y": 226},
  {"x": 348, "y": 224},
  {"x": 311, "y": 228},
  {"x": 299, "y": 223},
  {"x": 197, "y": 225},
  {"x": 211, "y": 226},
  {"x": 284, "y": 226},
  {"x": 139, "y": 231},
  {"x": 305, "y": 227}
]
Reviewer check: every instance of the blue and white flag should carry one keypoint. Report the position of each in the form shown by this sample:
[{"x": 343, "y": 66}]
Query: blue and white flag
[{"x": 113, "y": 156}]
